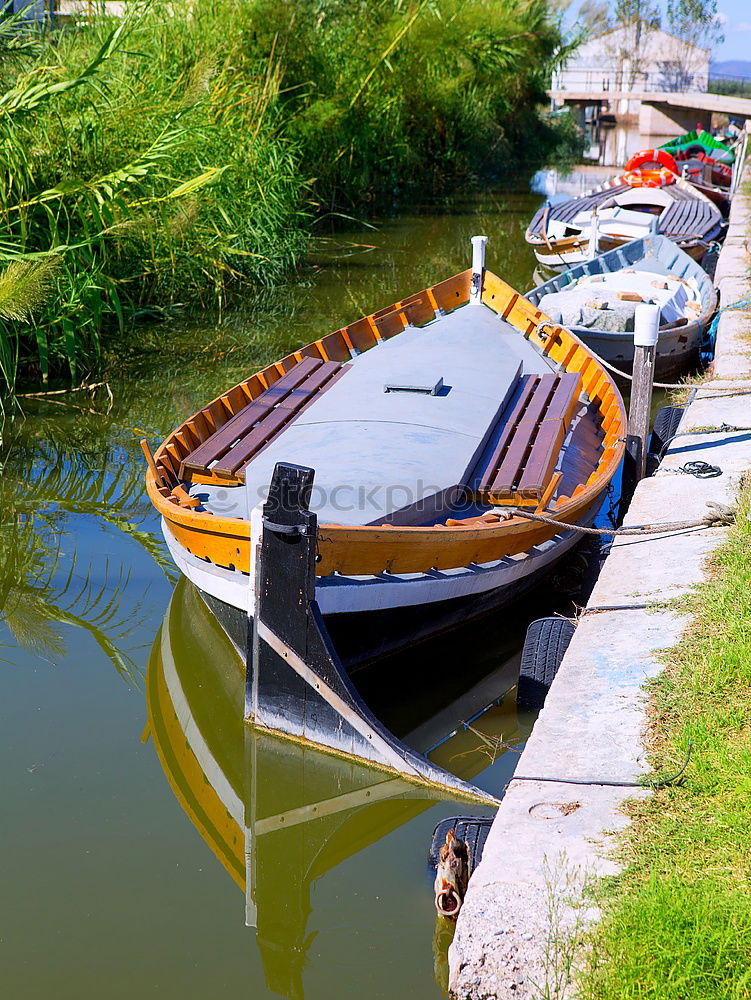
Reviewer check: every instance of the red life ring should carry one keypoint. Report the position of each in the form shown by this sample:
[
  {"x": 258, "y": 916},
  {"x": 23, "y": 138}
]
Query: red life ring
[
  {"x": 649, "y": 178},
  {"x": 652, "y": 158}
]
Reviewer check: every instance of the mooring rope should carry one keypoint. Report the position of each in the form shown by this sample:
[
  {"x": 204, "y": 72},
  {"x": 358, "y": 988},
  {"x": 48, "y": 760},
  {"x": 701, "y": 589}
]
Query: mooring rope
[
  {"x": 718, "y": 515},
  {"x": 630, "y": 378}
]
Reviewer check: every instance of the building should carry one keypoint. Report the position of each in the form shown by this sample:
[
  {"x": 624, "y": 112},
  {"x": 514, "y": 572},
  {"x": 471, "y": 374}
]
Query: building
[{"x": 638, "y": 57}]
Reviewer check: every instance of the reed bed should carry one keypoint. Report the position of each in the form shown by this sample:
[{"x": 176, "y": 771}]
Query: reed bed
[{"x": 183, "y": 152}]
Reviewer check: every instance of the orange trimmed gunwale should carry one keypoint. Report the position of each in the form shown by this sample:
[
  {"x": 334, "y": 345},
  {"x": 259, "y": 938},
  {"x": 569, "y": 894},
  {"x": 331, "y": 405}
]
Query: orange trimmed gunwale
[{"x": 362, "y": 550}]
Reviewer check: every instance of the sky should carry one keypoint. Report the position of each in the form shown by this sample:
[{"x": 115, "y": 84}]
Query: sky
[
  {"x": 736, "y": 19},
  {"x": 734, "y": 16}
]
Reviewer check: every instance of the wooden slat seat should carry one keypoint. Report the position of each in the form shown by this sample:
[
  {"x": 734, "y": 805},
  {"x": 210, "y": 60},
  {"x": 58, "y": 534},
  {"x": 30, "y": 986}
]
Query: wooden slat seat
[
  {"x": 224, "y": 453},
  {"x": 524, "y": 459}
]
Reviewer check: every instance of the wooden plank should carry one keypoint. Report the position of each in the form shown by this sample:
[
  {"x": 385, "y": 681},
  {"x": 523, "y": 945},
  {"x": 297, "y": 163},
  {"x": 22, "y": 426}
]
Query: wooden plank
[
  {"x": 390, "y": 324},
  {"x": 334, "y": 347},
  {"x": 544, "y": 390},
  {"x": 504, "y": 483},
  {"x": 565, "y": 397},
  {"x": 452, "y": 292},
  {"x": 418, "y": 309},
  {"x": 272, "y": 422},
  {"x": 528, "y": 386},
  {"x": 216, "y": 445},
  {"x": 542, "y": 459},
  {"x": 510, "y": 470},
  {"x": 312, "y": 351},
  {"x": 361, "y": 334}
]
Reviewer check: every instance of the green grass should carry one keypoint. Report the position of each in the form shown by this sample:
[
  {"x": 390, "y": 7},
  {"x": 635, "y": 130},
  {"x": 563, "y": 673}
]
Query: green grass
[{"x": 677, "y": 922}]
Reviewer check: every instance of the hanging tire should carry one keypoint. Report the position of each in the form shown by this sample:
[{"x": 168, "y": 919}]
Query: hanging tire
[
  {"x": 665, "y": 427},
  {"x": 546, "y": 641}
]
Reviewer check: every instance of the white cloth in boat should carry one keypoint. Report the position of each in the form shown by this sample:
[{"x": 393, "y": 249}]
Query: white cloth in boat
[
  {"x": 401, "y": 456},
  {"x": 593, "y": 303}
]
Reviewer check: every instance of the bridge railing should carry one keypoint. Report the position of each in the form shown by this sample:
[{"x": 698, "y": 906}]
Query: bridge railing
[{"x": 671, "y": 78}]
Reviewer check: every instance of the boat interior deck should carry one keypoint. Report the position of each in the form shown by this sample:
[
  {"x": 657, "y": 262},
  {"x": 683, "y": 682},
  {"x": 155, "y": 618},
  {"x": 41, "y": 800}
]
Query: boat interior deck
[
  {"x": 682, "y": 212},
  {"x": 640, "y": 268},
  {"x": 462, "y": 407},
  {"x": 609, "y": 301}
]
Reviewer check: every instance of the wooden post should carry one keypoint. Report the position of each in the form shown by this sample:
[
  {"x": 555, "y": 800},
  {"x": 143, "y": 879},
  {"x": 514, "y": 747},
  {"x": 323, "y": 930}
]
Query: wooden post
[
  {"x": 646, "y": 330},
  {"x": 594, "y": 236}
]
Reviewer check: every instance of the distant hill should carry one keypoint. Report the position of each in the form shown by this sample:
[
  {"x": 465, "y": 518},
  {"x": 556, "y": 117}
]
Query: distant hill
[{"x": 731, "y": 67}]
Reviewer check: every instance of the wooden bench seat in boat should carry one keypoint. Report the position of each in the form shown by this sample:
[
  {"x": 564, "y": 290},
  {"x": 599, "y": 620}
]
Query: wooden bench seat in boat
[
  {"x": 522, "y": 465},
  {"x": 396, "y": 441},
  {"x": 223, "y": 454}
]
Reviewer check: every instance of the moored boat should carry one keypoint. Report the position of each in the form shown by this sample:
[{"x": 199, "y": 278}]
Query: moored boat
[
  {"x": 700, "y": 141},
  {"x": 424, "y": 422},
  {"x": 625, "y": 208},
  {"x": 712, "y": 178},
  {"x": 597, "y": 301}
]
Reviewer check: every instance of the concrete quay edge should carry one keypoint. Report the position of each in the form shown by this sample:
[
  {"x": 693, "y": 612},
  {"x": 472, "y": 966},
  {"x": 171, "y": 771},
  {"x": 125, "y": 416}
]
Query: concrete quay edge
[{"x": 526, "y": 899}]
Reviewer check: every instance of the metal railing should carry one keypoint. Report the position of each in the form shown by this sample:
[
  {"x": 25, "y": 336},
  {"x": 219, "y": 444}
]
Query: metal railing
[{"x": 670, "y": 78}]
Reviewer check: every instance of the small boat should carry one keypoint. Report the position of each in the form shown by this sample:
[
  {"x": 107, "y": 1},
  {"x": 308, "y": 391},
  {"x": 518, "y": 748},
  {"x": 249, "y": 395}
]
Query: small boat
[
  {"x": 424, "y": 423},
  {"x": 700, "y": 142},
  {"x": 625, "y": 208},
  {"x": 597, "y": 300},
  {"x": 715, "y": 179},
  {"x": 711, "y": 178}
]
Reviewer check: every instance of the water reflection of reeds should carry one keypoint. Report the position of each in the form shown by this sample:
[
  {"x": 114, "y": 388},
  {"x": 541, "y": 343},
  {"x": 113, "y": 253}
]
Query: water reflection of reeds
[{"x": 52, "y": 483}]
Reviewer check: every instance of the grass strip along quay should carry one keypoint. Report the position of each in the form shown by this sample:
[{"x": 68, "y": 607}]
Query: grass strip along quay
[{"x": 677, "y": 921}]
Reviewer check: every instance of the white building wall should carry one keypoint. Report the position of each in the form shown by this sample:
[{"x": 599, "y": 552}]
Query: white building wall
[{"x": 614, "y": 60}]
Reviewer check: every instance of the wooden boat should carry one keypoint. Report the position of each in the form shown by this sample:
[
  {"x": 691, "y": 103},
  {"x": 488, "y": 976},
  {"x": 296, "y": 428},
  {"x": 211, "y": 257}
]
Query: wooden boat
[
  {"x": 710, "y": 177},
  {"x": 597, "y": 300},
  {"x": 422, "y": 421},
  {"x": 700, "y": 142},
  {"x": 622, "y": 210}
]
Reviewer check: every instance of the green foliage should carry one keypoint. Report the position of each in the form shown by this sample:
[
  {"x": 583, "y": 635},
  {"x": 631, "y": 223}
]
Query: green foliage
[
  {"x": 181, "y": 152},
  {"x": 695, "y": 21},
  {"x": 386, "y": 92},
  {"x": 729, "y": 86},
  {"x": 678, "y": 921},
  {"x": 131, "y": 157}
]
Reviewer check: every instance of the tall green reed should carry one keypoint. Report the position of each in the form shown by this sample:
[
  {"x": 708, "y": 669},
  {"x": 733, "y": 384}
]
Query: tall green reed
[
  {"x": 113, "y": 151},
  {"x": 184, "y": 152}
]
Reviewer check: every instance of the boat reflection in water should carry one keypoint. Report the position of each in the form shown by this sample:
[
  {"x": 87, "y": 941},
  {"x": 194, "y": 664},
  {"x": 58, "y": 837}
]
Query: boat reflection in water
[{"x": 277, "y": 814}]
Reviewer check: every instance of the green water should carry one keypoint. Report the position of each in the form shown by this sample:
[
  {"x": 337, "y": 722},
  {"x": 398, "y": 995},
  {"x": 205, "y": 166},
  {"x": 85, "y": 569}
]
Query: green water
[{"x": 142, "y": 823}]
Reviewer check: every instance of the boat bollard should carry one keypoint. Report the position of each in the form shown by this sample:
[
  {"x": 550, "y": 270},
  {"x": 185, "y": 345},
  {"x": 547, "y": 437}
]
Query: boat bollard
[
  {"x": 594, "y": 236},
  {"x": 478, "y": 269},
  {"x": 646, "y": 333}
]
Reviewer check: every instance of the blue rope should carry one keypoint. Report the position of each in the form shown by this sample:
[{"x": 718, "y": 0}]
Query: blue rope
[{"x": 709, "y": 336}]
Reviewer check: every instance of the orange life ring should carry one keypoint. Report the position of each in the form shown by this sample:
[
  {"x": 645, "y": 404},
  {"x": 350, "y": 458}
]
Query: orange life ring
[
  {"x": 652, "y": 157},
  {"x": 650, "y": 178}
]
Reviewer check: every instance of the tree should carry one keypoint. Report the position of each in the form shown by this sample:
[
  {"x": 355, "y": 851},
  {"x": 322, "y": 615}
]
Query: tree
[
  {"x": 634, "y": 21},
  {"x": 696, "y": 26}
]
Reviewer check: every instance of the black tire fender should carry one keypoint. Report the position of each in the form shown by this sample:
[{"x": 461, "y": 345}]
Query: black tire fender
[
  {"x": 665, "y": 426},
  {"x": 544, "y": 646}
]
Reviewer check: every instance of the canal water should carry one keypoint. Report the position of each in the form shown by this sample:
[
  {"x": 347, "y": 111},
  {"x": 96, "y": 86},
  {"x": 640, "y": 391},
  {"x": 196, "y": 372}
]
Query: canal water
[{"x": 151, "y": 844}]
